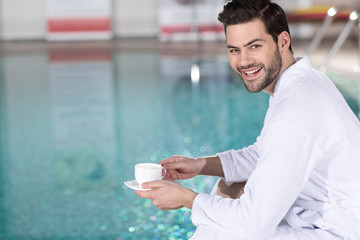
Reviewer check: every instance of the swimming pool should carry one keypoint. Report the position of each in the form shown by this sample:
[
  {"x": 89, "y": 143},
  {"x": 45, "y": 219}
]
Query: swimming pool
[{"x": 73, "y": 125}]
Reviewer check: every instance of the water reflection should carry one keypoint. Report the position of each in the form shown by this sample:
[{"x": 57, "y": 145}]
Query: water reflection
[
  {"x": 73, "y": 124},
  {"x": 81, "y": 88}
]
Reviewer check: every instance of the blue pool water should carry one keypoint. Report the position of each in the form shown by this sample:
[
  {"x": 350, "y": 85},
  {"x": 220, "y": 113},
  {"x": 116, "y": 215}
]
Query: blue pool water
[{"x": 72, "y": 126}]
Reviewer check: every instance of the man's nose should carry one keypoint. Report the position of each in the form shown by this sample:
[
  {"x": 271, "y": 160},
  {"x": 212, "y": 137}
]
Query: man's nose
[{"x": 245, "y": 60}]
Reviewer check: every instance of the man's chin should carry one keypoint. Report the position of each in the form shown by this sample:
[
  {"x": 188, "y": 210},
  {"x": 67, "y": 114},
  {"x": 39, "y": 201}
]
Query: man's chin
[{"x": 253, "y": 89}]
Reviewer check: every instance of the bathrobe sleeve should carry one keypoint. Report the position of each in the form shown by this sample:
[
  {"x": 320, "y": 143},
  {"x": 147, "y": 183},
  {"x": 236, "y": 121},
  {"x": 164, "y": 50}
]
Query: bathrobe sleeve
[
  {"x": 287, "y": 156},
  {"x": 239, "y": 164}
]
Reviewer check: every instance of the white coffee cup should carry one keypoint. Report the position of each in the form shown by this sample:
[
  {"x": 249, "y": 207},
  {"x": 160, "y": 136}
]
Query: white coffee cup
[{"x": 147, "y": 172}]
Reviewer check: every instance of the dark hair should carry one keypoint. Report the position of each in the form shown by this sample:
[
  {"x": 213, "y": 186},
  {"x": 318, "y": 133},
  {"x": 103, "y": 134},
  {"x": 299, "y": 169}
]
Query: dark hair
[{"x": 242, "y": 11}]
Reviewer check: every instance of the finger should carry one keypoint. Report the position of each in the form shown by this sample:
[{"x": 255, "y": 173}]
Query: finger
[
  {"x": 174, "y": 174},
  {"x": 171, "y": 174},
  {"x": 168, "y": 177},
  {"x": 153, "y": 184},
  {"x": 170, "y": 160},
  {"x": 174, "y": 165},
  {"x": 143, "y": 194}
]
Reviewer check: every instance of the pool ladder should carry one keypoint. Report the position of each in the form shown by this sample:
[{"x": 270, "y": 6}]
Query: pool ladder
[{"x": 354, "y": 17}]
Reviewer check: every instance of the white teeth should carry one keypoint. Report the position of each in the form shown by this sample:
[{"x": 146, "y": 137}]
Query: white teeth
[{"x": 253, "y": 71}]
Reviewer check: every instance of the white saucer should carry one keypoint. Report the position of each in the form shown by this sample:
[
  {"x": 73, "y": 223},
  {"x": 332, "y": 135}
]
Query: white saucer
[{"x": 135, "y": 185}]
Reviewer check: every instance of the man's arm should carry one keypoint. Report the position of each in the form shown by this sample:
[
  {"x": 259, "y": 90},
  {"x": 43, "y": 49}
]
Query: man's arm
[
  {"x": 288, "y": 157},
  {"x": 212, "y": 166}
]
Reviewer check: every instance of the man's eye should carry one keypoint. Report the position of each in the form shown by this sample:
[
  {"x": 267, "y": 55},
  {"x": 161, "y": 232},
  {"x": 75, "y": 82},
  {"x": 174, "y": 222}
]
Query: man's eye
[
  {"x": 233, "y": 50},
  {"x": 255, "y": 46}
]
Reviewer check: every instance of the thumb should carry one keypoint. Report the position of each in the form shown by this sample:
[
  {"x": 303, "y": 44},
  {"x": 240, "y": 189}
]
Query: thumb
[{"x": 153, "y": 184}]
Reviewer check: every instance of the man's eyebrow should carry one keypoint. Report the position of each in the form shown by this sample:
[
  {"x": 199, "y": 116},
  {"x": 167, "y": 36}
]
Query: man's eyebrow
[
  {"x": 229, "y": 46},
  {"x": 249, "y": 43},
  {"x": 253, "y": 41}
]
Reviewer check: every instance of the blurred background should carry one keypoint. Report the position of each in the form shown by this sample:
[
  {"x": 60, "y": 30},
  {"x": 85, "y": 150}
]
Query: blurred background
[
  {"x": 89, "y": 88},
  {"x": 31, "y": 20}
]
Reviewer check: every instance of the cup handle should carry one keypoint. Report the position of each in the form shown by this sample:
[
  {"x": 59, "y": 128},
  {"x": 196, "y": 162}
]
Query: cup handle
[{"x": 163, "y": 170}]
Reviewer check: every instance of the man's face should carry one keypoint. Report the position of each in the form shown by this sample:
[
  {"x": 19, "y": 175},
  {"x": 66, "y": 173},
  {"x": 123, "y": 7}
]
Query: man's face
[{"x": 253, "y": 55}]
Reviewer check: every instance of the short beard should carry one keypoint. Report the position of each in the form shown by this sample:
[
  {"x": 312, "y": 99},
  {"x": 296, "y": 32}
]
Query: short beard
[{"x": 272, "y": 73}]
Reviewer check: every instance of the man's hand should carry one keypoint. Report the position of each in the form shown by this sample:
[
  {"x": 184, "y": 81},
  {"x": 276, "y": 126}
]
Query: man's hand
[
  {"x": 179, "y": 167},
  {"x": 167, "y": 195}
]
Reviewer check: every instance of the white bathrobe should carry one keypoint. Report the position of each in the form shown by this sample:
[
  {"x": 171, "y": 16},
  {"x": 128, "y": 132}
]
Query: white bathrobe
[{"x": 303, "y": 170}]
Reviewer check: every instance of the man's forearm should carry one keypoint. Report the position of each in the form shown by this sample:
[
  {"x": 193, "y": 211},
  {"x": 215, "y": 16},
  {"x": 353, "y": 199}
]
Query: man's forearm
[{"x": 212, "y": 166}]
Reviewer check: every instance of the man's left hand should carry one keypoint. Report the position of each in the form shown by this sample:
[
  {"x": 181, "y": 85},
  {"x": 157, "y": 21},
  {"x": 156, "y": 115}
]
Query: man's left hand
[{"x": 167, "y": 195}]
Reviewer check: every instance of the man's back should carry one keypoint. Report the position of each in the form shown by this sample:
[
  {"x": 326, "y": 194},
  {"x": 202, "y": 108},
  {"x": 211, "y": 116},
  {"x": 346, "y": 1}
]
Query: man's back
[{"x": 331, "y": 192}]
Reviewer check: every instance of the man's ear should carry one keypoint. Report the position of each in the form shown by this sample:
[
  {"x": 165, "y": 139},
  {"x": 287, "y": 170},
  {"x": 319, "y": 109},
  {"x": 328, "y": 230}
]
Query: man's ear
[{"x": 284, "y": 41}]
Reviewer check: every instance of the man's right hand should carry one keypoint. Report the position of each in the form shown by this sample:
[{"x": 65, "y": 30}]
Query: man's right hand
[{"x": 180, "y": 167}]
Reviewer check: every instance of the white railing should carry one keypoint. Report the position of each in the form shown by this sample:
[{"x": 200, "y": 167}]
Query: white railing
[{"x": 354, "y": 17}]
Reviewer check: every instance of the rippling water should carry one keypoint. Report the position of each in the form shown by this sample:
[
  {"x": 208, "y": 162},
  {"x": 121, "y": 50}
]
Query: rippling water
[{"x": 73, "y": 125}]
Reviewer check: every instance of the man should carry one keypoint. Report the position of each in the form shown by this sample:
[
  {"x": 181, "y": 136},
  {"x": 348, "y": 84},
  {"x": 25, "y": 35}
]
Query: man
[{"x": 303, "y": 173}]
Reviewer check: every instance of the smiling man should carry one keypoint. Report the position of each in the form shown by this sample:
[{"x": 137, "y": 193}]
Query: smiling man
[
  {"x": 255, "y": 56},
  {"x": 300, "y": 179}
]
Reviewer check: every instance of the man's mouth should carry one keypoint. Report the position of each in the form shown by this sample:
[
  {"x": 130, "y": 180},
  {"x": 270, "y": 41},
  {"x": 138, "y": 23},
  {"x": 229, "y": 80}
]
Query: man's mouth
[{"x": 252, "y": 72}]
